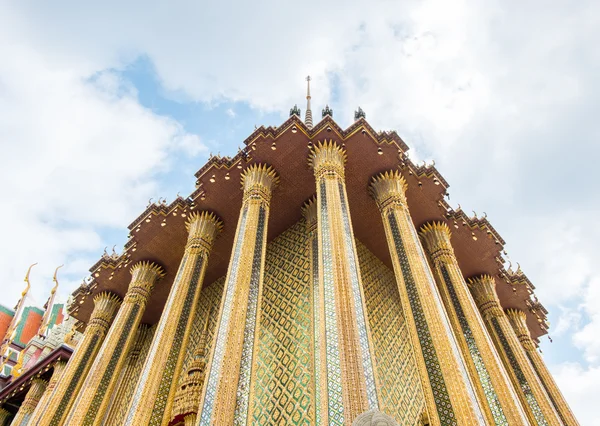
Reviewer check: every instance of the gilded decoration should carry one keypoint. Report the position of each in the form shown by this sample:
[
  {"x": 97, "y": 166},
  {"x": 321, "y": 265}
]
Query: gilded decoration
[
  {"x": 518, "y": 320},
  {"x": 445, "y": 381},
  {"x": 534, "y": 398},
  {"x": 226, "y": 394},
  {"x": 68, "y": 386},
  {"x": 282, "y": 383},
  {"x": 344, "y": 317},
  {"x": 400, "y": 392},
  {"x": 128, "y": 378},
  {"x": 345, "y": 358},
  {"x": 500, "y": 403},
  {"x": 157, "y": 384},
  {"x": 94, "y": 398}
]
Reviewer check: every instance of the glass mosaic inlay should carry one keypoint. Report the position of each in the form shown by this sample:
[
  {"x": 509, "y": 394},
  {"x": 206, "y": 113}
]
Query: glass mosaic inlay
[
  {"x": 168, "y": 376},
  {"x": 243, "y": 391},
  {"x": 523, "y": 384},
  {"x": 219, "y": 352},
  {"x": 482, "y": 373},
  {"x": 334, "y": 373},
  {"x": 363, "y": 337},
  {"x": 282, "y": 380},
  {"x": 400, "y": 394},
  {"x": 75, "y": 380},
  {"x": 316, "y": 328},
  {"x": 432, "y": 364},
  {"x": 554, "y": 403},
  {"x": 110, "y": 368},
  {"x": 155, "y": 346},
  {"x": 445, "y": 321}
]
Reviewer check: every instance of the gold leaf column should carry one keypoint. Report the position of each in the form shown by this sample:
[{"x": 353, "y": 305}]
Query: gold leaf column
[
  {"x": 518, "y": 320},
  {"x": 346, "y": 381},
  {"x": 533, "y": 396},
  {"x": 155, "y": 390},
  {"x": 57, "y": 407},
  {"x": 121, "y": 396},
  {"x": 492, "y": 384},
  {"x": 309, "y": 211},
  {"x": 59, "y": 368},
  {"x": 446, "y": 384},
  {"x": 226, "y": 392},
  {"x": 95, "y": 395},
  {"x": 34, "y": 394}
]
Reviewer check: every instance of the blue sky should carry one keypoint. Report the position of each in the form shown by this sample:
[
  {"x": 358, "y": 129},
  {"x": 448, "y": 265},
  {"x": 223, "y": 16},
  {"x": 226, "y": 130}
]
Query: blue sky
[{"x": 503, "y": 95}]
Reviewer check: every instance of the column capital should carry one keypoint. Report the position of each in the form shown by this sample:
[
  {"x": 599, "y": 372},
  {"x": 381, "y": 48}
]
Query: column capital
[
  {"x": 436, "y": 236},
  {"x": 203, "y": 229},
  {"x": 309, "y": 211},
  {"x": 518, "y": 320},
  {"x": 483, "y": 289},
  {"x": 258, "y": 182},
  {"x": 389, "y": 190},
  {"x": 105, "y": 306},
  {"x": 327, "y": 159},
  {"x": 144, "y": 275}
]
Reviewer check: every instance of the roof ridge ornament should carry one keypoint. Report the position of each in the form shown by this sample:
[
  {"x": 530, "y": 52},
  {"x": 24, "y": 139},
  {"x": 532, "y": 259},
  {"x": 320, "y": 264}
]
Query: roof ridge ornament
[
  {"x": 308, "y": 117},
  {"x": 359, "y": 113},
  {"x": 295, "y": 111},
  {"x": 327, "y": 112}
]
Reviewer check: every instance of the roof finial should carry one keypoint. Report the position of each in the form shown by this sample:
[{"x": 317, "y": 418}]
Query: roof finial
[{"x": 308, "y": 118}]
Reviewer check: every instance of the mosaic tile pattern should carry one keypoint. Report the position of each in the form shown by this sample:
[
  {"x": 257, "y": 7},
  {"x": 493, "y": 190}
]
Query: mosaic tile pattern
[
  {"x": 116, "y": 414},
  {"x": 334, "y": 373},
  {"x": 548, "y": 391},
  {"x": 400, "y": 394},
  {"x": 483, "y": 375},
  {"x": 363, "y": 337},
  {"x": 167, "y": 380},
  {"x": 90, "y": 417},
  {"x": 282, "y": 384},
  {"x": 208, "y": 304},
  {"x": 243, "y": 393},
  {"x": 432, "y": 364},
  {"x": 523, "y": 384},
  {"x": 68, "y": 396},
  {"x": 219, "y": 353},
  {"x": 446, "y": 323},
  {"x": 153, "y": 349},
  {"x": 316, "y": 328}
]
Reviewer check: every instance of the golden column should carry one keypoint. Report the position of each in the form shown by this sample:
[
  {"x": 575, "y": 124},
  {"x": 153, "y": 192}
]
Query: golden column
[
  {"x": 449, "y": 394},
  {"x": 121, "y": 396},
  {"x": 34, "y": 394},
  {"x": 59, "y": 368},
  {"x": 94, "y": 397},
  {"x": 156, "y": 387},
  {"x": 58, "y": 405},
  {"x": 530, "y": 390},
  {"x": 309, "y": 211},
  {"x": 496, "y": 394},
  {"x": 226, "y": 392},
  {"x": 518, "y": 321},
  {"x": 346, "y": 373}
]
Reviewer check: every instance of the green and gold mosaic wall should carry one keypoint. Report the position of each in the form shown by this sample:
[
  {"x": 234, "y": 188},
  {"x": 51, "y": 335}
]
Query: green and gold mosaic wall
[
  {"x": 282, "y": 391},
  {"x": 399, "y": 387}
]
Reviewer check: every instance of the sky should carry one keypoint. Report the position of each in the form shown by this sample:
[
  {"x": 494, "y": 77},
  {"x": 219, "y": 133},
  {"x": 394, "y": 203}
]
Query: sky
[{"x": 105, "y": 105}]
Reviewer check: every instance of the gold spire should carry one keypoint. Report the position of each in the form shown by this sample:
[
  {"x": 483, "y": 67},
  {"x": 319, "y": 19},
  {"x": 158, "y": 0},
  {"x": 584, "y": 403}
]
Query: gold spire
[
  {"x": 308, "y": 117},
  {"x": 49, "y": 304}
]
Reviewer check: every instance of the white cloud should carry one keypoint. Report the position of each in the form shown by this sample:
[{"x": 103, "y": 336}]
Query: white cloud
[
  {"x": 79, "y": 154},
  {"x": 580, "y": 386}
]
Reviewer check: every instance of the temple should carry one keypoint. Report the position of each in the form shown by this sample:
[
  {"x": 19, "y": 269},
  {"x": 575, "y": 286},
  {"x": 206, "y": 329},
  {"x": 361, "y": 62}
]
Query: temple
[{"x": 318, "y": 277}]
